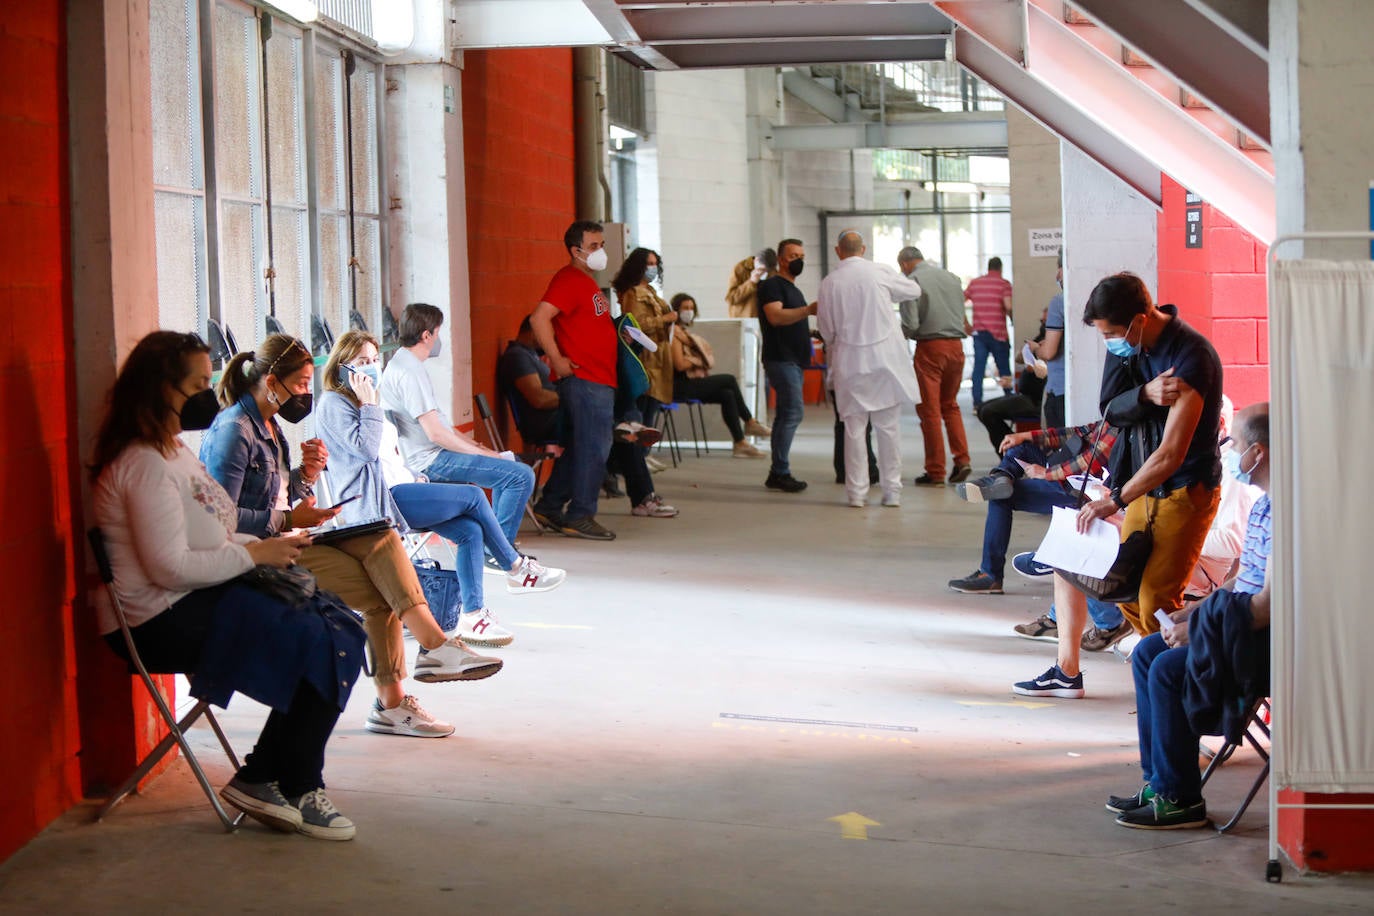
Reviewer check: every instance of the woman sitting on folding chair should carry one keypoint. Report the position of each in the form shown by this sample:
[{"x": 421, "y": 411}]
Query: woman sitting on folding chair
[
  {"x": 245, "y": 451},
  {"x": 170, "y": 532},
  {"x": 365, "y": 464}
]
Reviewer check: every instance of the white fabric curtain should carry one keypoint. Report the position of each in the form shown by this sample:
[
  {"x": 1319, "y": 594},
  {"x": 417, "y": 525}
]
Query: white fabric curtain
[{"x": 1322, "y": 432}]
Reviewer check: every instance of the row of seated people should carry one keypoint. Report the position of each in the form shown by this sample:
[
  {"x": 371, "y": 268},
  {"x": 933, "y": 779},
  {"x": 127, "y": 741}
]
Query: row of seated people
[{"x": 184, "y": 535}]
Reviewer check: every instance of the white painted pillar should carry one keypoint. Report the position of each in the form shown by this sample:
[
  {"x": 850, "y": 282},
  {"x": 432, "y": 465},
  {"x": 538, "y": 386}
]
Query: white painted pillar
[
  {"x": 1108, "y": 228},
  {"x": 767, "y": 197},
  {"x": 428, "y": 215}
]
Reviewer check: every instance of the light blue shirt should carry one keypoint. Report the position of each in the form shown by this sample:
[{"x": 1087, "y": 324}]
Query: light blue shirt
[{"x": 1054, "y": 321}]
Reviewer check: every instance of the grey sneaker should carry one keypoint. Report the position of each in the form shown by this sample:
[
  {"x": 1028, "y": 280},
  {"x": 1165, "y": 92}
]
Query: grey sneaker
[
  {"x": 453, "y": 661},
  {"x": 985, "y": 489},
  {"x": 1095, "y": 640},
  {"x": 1041, "y": 627},
  {"x": 977, "y": 583},
  {"x": 263, "y": 802},
  {"x": 408, "y": 719},
  {"x": 320, "y": 819}
]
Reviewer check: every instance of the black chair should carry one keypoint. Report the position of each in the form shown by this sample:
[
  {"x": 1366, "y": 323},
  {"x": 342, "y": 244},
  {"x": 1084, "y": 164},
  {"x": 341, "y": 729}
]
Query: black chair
[
  {"x": 221, "y": 351},
  {"x": 274, "y": 325},
  {"x": 321, "y": 336},
  {"x": 176, "y": 735},
  {"x": 356, "y": 321},
  {"x": 1256, "y": 723}
]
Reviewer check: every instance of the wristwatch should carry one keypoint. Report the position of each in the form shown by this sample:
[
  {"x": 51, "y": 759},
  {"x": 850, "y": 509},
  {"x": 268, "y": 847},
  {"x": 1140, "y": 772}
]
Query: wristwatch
[{"x": 1116, "y": 498}]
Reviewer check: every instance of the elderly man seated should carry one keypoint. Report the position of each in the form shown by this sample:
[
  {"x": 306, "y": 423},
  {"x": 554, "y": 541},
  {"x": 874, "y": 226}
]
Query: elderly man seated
[{"x": 1201, "y": 675}]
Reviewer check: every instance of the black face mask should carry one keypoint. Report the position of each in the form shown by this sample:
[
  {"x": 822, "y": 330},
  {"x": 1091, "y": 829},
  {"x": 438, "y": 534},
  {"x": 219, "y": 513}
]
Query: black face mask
[
  {"x": 295, "y": 408},
  {"x": 795, "y": 268},
  {"x": 198, "y": 411}
]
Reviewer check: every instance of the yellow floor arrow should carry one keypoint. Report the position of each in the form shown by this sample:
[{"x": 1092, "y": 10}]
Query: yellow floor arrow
[
  {"x": 1018, "y": 704},
  {"x": 853, "y": 826}
]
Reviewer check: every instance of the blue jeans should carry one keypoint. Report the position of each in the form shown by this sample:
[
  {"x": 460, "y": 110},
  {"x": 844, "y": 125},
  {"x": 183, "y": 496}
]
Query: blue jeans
[
  {"x": 1168, "y": 746},
  {"x": 786, "y": 379},
  {"x": 1037, "y": 496},
  {"x": 1105, "y": 616},
  {"x": 461, "y": 514},
  {"x": 575, "y": 481},
  {"x": 983, "y": 344},
  {"x": 510, "y": 483}
]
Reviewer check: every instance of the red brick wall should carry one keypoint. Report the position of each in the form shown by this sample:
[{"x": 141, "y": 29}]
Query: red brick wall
[
  {"x": 39, "y": 771},
  {"x": 518, "y": 150},
  {"x": 1220, "y": 289}
]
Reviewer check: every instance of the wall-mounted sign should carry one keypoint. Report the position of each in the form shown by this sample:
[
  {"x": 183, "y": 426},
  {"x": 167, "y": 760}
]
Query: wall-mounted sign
[
  {"x": 1045, "y": 243},
  {"x": 1192, "y": 220}
]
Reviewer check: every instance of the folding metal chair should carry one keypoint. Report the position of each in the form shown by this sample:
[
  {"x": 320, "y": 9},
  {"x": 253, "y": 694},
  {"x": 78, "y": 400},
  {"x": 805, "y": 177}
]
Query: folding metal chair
[
  {"x": 697, "y": 417},
  {"x": 1256, "y": 722},
  {"x": 499, "y": 443},
  {"x": 176, "y": 730},
  {"x": 670, "y": 433}
]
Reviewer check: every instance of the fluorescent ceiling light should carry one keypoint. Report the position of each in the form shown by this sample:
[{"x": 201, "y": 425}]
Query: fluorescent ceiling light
[{"x": 303, "y": 11}]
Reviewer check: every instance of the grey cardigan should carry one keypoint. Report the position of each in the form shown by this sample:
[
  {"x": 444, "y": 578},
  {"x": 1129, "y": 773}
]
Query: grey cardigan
[{"x": 353, "y": 435}]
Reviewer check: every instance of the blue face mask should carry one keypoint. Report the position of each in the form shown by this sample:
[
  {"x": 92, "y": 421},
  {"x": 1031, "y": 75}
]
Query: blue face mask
[
  {"x": 371, "y": 370},
  {"x": 1231, "y": 461},
  {"x": 651, "y": 273},
  {"x": 1121, "y": 346}
]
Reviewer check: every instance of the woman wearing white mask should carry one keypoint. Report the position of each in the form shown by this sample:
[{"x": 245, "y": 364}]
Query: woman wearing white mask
[
  {"x": 634, "y": 288},
  {"x": 692, "y": 362}
]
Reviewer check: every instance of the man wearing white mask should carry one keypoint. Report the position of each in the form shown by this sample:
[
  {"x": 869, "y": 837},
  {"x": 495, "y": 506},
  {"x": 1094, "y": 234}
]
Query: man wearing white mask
[
  {"x": 573, "y": 326},
  {"x": 869, "y": 363}
]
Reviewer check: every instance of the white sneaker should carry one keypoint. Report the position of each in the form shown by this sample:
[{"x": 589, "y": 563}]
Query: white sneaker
[
  {"x": 856, "y": 502},
  {"x": 453, "y": 661},
  {"x": 481, "y": 628},
  {"x": 892, "y": 500},
  {"x": 530, "y": 577},
  {"x": 408, "y": 719},
  {"x": 654, "y": 507},
  {"x": 654, "y": 464}
]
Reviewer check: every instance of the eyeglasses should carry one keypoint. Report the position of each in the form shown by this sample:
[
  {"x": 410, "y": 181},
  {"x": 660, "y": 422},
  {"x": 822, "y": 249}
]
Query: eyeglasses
[{"x": 272, "y": 369}]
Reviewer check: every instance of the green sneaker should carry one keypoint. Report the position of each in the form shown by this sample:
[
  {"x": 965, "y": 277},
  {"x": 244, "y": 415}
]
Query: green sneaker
[
  {"x": 1120, "y": 804},
  {"x": 1162, "y": 814}
]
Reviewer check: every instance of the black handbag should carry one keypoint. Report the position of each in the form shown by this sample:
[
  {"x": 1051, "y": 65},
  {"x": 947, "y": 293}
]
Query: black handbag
[{"x": 1122, "y": 581}]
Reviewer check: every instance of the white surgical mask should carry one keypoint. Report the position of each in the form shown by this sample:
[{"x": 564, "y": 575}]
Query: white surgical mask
[
  {"x": 597, "y": 260},
  {"x": 686, "y": 316}
]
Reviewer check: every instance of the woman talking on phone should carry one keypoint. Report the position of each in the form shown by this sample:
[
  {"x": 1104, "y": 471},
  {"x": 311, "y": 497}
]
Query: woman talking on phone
[
  {"x": 366, "y": 464},
  {"x": 244, "y": 450}
]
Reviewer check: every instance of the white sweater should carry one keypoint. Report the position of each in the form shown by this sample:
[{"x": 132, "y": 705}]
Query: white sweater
[{"x": 169, "y": 529}]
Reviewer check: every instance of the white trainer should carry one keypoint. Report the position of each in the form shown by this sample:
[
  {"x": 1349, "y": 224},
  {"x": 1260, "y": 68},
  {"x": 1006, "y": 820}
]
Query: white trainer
[
  {"x": 481, "y": 628},
  {"x": 892, "y": 500},
  {"x": 454, "y": 661},
  {"x": 409, "y": 719},
  {"x": 530, "y": 576}
]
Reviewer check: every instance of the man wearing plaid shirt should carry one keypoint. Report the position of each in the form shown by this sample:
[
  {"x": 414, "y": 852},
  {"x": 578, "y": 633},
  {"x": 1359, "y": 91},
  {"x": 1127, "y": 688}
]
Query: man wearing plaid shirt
[{"x": 1032, "y": 477}]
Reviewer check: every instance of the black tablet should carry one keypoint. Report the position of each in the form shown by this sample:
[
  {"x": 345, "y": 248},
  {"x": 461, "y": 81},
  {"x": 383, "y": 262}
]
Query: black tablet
[{"x": 325, "y": 536}]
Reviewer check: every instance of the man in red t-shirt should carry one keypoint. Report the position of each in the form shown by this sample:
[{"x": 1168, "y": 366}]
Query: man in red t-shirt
[
  {"x": 991, "y": 298},
  {"x": 573, "y": 324}
]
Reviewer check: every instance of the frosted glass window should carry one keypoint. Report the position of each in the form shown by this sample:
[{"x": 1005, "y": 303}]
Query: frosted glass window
[
  {"x": 238, "y": 106},
  {"x": 241, "y": 256},
  {"x": 174, "y": 59},
  {"x": 364, "y": 139},
  {"x": 179, "y": 222}
]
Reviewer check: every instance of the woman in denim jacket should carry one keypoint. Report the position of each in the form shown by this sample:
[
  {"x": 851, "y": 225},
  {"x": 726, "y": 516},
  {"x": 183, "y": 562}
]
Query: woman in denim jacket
[{"x": 245, "y": 451}]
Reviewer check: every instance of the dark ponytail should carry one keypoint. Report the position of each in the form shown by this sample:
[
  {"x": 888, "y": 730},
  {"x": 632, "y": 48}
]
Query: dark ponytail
[{"x": 280, "y": 355}]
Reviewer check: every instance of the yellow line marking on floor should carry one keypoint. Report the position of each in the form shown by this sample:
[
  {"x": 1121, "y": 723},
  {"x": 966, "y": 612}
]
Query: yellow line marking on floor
[
  {"x": 553, "y": 626},
  {"x": 1018, "y": 704},
  {"x": 813, "y": 733}
]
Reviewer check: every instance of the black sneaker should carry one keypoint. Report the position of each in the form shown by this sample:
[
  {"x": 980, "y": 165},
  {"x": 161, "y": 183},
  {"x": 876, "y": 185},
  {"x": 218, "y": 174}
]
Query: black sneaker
[
  {"x": 960, "y": 473},
  {"x": 925, "y": 480},
  {"x": 1041, "y": 627},
  {"x": 587, "y": 527},
  {"x": 986, "y": 489},
  {"x": 784, "y": 482},
  {"x": 1053, "y": 683},
  {"x": 1095, "y": 640},
  {"x": 1120, "y": 804},
  {"x": 977, "y": 583},
  {"x": 549, "y": 521},
  {"x": 1162, "y": 814}
]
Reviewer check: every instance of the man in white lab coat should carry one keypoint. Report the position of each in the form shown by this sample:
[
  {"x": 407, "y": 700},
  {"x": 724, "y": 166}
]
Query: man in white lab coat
[{"x": 870, "y": 365}]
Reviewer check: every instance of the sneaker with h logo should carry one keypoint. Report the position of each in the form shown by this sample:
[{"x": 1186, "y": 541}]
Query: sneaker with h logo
[
  {"x": 530, "y": 576},
  {"x": 481, "y": 628}
]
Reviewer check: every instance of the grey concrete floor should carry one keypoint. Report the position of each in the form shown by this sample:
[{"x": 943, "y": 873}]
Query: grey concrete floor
[{"x": 614, "y": 767}]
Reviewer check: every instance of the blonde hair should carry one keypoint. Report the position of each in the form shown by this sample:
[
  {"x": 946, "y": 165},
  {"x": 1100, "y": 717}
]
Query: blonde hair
[{"x": 346, "y": 349}]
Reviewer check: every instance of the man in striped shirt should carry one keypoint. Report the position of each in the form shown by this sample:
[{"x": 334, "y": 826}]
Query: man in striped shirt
[
  {"x": 1171, "y": 798},
  {"x": 991, "y": 298}
]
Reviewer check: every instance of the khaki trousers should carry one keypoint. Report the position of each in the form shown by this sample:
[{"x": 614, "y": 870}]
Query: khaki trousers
[
  {"x": 372, "y": 575},
  {"x": 1181, "y": 522}
]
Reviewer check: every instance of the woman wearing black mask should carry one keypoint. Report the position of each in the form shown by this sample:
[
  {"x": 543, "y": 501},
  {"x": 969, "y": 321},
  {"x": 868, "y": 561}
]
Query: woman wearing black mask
[
  {"x": 245, "y": 451},
  {"x": 169, "y": 530}
]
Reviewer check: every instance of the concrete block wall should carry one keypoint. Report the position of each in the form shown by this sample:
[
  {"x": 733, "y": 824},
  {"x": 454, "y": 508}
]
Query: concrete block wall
[
  {"x": 518, "y": 153},
  {"x": 38, "y": 459},
  {"x": 1220, "y": 289},
  {"x": 1033, "y": 154},
  {"x": 699, "y": 146}
]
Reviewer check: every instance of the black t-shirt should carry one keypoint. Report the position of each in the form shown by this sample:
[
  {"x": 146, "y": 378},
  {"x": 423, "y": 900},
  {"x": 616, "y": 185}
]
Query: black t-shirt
[
  {"x": 517, "y": 362},
  {"x": 1195, "y": 361},
  {"x": 789, "y": 343}
]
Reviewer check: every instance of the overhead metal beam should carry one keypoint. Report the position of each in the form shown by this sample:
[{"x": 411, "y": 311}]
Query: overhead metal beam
[
  {"x": 1208, "y": 60},
  {"x": 1057, "y": 115},
  {"x": 942, "y": 130},
  {"x": 1103, "y": 90},
  {"x": 809, "y": 90},
  {"x": 612, "y": 19}
]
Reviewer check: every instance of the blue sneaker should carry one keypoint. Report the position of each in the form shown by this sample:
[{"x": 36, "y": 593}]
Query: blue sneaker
[
  {"x": 1053, "y": 683},
  {"x": 1025, "y": 564}
]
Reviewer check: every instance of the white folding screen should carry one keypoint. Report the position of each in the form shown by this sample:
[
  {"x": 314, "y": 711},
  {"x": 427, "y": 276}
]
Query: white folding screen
[{"x": 1322, "y": 346}]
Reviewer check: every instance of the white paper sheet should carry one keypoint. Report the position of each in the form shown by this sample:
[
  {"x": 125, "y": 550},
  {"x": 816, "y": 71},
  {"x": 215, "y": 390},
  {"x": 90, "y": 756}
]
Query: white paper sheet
[
  {"x": 1027, "y": 357},
  {"x": 1091, "y": 554},
  {"x": 639, "y": 337}
]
